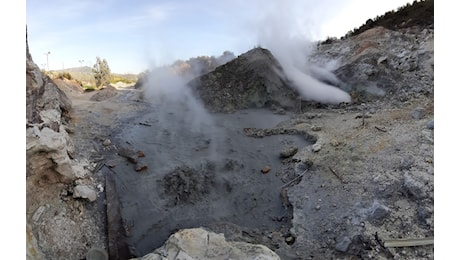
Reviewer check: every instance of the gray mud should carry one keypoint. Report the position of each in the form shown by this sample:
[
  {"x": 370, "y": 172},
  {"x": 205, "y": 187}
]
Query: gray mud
[{"x": 200, "y": 171}]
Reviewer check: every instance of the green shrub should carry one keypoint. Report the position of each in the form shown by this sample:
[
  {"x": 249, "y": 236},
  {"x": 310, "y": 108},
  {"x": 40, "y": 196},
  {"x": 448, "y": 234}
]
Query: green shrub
[
  {"x": 120, "y": 78},
  {"x": 89, "y": 88},
  {"x": 64, "y": 75}
]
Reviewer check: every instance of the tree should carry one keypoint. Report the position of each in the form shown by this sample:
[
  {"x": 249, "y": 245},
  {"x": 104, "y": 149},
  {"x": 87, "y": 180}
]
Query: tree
[{"x": 101, "y": 72}]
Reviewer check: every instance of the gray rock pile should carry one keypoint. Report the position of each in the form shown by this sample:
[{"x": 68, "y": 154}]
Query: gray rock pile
[{"x": 254, "y": 79}]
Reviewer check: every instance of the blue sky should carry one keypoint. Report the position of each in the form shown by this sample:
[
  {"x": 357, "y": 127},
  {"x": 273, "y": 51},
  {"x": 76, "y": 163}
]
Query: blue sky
[{"x": 136, "y": 35}]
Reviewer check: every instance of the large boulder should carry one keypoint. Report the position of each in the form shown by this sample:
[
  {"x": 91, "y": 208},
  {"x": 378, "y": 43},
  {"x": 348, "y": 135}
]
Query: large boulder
[
  {"x": 255, "y": 79},
  {"x": 198, "y": 243}
]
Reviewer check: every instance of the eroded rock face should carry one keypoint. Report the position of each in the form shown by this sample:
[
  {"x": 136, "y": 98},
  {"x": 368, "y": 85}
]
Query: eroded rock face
[
  {"x": 48, "y": 145},
  {"x": 54, "y": 229},
  {"x": 198, "y": 243},
  {"x": 383, "y": 64},
  {"x": 253, "y": 80}
]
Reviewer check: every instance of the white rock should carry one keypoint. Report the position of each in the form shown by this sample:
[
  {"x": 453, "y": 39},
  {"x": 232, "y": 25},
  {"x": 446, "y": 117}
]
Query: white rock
[
  {"x": 38, "y": 213},
  {"x": 107, "y": 142},
  {"x": 316, "y": 147},
  {"x": 100, "y": 188},
  {"x": 55, "y": 144},
  {"x": 197, "y": 243},
  {"x": 85, "y": 192},
  {"x": 382, "y": 59}
]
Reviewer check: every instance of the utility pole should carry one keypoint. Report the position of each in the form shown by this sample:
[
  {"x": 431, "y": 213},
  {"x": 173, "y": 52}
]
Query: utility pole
[{"x": 47, "y": 64}]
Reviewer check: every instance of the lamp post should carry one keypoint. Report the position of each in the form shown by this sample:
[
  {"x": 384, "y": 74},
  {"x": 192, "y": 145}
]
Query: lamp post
[{"x": 47, "y": 64}]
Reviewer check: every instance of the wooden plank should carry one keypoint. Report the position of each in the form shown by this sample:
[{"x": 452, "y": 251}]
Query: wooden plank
[{"x": 118, "y": 248}]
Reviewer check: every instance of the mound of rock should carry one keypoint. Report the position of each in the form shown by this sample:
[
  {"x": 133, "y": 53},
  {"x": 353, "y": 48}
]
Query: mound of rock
[
  {"x": 187, "y": 185},
  {"x": 254, "y": 79},
  {"x": 104, "y": 94}
]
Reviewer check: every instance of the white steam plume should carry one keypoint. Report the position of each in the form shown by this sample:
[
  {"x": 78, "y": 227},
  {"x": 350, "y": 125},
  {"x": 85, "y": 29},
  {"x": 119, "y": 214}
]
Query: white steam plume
[
  {"x": 179, "y": 111},
  {"x": 171, "y": 93},
  {"x": 280, "y": 33}
]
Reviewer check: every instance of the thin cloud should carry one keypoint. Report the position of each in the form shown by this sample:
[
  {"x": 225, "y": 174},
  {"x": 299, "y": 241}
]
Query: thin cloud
[
  {"x": 161, "y": 12},
  {"x": 176, "y": 29},
  {"x": 55, "y": 11}
]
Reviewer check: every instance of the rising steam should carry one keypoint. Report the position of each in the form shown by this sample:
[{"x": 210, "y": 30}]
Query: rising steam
[
  {"x": 180, "y": 115},
  {"x": 280, "y": 33}
]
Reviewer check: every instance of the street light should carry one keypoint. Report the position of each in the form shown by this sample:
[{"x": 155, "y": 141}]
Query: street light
[
  {"x": 47, "y": 64},
  {"x": 81, "y": 62}
]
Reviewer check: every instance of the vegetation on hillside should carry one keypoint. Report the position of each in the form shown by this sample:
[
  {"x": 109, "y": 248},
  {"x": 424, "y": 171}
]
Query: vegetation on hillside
[
  {"x": 419, "y": 13},
  {"x": 85, "y": 76}
]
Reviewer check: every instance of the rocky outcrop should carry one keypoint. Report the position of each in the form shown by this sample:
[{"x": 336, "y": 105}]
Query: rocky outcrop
[
  {"x": 48, "y": 145},
  {"x": 255, "y": 79},
  {"x": 51, "y": 171},
  {"x": 46, "y": 104},
  {"x": 383, "y": 64},
  {"x": 198, "y": 243}
]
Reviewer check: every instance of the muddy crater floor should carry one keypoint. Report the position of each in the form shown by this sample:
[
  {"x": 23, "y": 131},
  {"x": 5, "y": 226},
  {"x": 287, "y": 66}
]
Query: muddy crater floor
[
  {"x": 255, "y": 176},
  {"x": 174, "y": 171}
]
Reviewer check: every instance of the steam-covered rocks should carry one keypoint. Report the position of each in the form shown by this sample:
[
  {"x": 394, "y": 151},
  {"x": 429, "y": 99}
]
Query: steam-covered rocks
[
  {"x": 280, "y": 32},
  {"x": 255, "y": 79},
  {"x": 383, "y": 64}
]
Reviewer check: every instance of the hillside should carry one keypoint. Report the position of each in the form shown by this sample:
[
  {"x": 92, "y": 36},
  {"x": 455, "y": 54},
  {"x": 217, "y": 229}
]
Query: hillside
[{"x": 419, "y": 13}]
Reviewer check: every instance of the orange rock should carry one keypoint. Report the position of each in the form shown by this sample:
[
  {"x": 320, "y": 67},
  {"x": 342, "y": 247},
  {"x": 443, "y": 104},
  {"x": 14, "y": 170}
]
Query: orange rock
[
  {"x": 141, "y": 168},
  {"x": 265, "y": 170}
]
